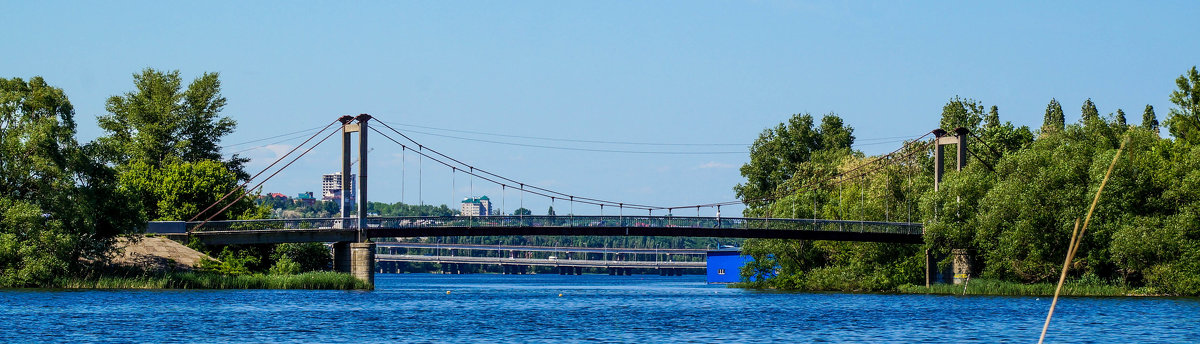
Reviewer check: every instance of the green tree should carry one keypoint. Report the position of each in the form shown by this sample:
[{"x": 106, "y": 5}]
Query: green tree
[
  {"x": 1183, "y": 122},
  {"x": 992, "y": 121},
  {"x": 778, "y": 153},
  {"x": 962, "y": 113},
  {"x": 522, "y": 211},
  {"x": 160, "y": 122},
  {"x": 1120, "y": 118},
  {"x": 1149, "y": 120},
  {"x": 59, "y": 206},
  {"x": 1088, "y": 112},
  {"x": 550, "y": 211},
  {"x": 1054, "y": 119},
  {"x": 177, "y": 191},
  {"x": 311, "y": 256}
]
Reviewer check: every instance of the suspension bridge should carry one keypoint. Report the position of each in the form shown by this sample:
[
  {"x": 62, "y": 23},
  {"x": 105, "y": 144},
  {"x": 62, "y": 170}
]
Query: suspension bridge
[{"x": 353, "y": 251}]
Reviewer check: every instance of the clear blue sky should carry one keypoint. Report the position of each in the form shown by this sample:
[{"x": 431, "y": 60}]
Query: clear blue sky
[{"x": 662, "y": 72}]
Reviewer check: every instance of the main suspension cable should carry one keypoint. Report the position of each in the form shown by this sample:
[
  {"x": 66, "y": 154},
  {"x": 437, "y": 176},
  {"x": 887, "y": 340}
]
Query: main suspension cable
[
  {"x": 261, "y": 172},
  {"x": 246, "y": 191}
]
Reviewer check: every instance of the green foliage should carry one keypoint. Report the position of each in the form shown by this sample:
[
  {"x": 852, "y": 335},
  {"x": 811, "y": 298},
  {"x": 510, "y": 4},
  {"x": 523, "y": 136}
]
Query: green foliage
[
  {"x": 231, "y": 262},
  {"x": 207, "y": 280},
  {"x": 1054, "y": 119},
  {"x": 982, "y": 286},
  {"x": 162, "y": 123},
  {"x": 401, "y": 209},
  {"x": 1013, "y": 208},
  {"x": 177, "y": 191},
  {"x": 285, "y": 266},
  {"x": 962, "y": 113},
  {"x": 779, "y": 153},
  {"x": 59, "y": 206},
  {"x": 550, "y": 211},
  {"x": 1184, "y": 120},
  {"x": 1149, "y": 120},
  {"x": 311, "y": 256}
]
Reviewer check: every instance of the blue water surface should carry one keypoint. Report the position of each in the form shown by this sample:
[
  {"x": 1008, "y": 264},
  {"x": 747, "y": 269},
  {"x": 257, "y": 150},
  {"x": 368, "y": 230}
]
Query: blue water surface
[{"x": 592, "y": 308}]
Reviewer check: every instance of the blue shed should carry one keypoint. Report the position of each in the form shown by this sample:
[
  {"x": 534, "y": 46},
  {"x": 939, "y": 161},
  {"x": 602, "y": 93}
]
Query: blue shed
[{"x": 725, "y": 265}]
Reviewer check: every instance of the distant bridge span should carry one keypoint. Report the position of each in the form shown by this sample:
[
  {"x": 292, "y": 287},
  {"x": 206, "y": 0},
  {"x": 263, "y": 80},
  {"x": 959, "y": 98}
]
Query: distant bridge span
[
  {"x": 581, "y": 263},
  {"x": 344, "y": 230}
]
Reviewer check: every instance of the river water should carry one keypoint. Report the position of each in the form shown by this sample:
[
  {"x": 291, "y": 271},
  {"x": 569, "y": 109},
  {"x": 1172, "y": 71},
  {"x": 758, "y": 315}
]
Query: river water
[{"x": 591, "y": 308}]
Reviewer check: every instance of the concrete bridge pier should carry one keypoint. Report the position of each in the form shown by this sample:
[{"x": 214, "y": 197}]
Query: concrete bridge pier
[
  {"x": 362, "y": 262},
  {"x": 341, "y": 256}
]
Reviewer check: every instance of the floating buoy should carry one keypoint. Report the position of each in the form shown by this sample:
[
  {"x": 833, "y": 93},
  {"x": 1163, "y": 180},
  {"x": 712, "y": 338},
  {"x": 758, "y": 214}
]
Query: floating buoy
[
  {"x": 447, "y": 292},
  {"x": 559, "y": 294}
]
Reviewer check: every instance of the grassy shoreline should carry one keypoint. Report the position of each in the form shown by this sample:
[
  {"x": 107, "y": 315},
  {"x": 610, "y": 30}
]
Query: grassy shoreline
[
  {"x": 986, "y": 287},
  {"x": 318, "y": 280}
]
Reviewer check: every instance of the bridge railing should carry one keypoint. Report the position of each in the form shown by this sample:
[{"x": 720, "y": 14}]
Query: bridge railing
[{"x": 588, "y": 221}]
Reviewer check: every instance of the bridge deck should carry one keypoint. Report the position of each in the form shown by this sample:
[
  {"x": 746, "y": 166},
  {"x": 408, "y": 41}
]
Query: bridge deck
[{"x": 338, "y": 229}]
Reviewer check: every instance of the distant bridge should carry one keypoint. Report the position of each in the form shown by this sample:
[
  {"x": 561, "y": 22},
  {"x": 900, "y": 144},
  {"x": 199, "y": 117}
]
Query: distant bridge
[
  {"x": 529, "y": 248},
  {"x": 576, "y": 263}
]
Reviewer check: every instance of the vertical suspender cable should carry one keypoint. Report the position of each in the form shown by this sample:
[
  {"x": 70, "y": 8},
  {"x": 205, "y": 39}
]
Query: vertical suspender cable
[
  {"x": 420, "y": 176},
  {"x": 403, "y": 168}
]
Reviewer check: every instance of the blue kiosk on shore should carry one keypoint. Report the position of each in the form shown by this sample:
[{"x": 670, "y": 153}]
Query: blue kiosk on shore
[{"x": 725, "y": 265}]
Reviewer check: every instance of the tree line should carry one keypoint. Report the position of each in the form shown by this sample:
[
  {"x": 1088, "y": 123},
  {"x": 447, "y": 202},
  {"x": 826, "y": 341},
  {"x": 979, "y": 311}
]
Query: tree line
[
  {"x": 63, "y": 203},
  {"x": 1012, "y": 208}
]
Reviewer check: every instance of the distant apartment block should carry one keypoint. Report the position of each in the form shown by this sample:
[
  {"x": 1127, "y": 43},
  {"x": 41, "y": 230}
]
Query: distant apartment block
[
  {"x": 331, "y": 187},
  {"x": 481, "y": 206}
]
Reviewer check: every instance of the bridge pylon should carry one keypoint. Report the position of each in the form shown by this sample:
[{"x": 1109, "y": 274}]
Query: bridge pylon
[
  {"x": 358, "y": 258},
  {"x": 942, "y": 138}
]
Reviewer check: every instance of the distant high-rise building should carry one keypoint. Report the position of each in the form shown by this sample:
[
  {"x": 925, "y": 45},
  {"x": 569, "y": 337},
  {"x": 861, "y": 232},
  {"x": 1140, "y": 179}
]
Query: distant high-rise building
[
  {"x": 481, "y": 206},
  {"x": 331, "y": 187}
]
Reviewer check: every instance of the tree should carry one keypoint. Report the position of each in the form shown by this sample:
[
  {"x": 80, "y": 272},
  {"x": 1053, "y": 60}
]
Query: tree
[
  {"x": 992, "y": 121},
  {"x": 550, "y": 212},
  {"x": 177, "y": 191},
  {"x": 522, "y": 211},
  {"x": 1120, "y": 118},
  {"x": 160, "y": 122},
  {"x": 1054, "y": 119},
  {"x": 59, "y": 206},
  {"x": 962, "y": 113},
  {"x": 1149, "y": 120},
  {"x": 1183, "y": 122},
  {"x": 778, "y": 152},
  {"x": 1088, "y": 113}
]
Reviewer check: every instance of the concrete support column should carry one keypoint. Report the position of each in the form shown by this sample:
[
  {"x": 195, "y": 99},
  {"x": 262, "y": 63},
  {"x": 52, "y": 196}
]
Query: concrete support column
[
  {"x": 961, "y": 135},
  {"x": 362, "y": 264},
  {"x": 362, "y": 176},
  {"x": 962, "y": 265},
  {"x": 341, "y": 256}
]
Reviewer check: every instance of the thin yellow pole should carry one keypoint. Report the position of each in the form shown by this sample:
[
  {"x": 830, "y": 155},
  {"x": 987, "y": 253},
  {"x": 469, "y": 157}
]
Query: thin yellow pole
[{"x": 1077, "y": 238}]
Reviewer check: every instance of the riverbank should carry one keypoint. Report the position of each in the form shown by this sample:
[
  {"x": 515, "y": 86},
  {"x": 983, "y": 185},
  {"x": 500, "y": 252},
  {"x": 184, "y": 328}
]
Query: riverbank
[
  {"x": 986, "y": 287},
  {"x": 320, "y": 280}
]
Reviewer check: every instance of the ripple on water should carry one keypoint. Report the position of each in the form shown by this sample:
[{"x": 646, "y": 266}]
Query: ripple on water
[{"x": 593, "y": 308}]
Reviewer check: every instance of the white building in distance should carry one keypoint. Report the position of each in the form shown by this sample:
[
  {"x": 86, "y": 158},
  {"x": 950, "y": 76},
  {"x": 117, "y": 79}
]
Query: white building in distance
[
  {"x": 331, "y": 187},
  {"x": 481, "y": 206}
]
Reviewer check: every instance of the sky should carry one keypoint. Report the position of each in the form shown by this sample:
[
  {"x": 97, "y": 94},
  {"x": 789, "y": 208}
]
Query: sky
[{"x": 495, "y": 83}]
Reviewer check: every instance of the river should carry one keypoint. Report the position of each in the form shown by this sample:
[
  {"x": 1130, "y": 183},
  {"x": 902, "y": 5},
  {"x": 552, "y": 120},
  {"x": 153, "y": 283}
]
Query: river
[{"x": 591, "y": 308}]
